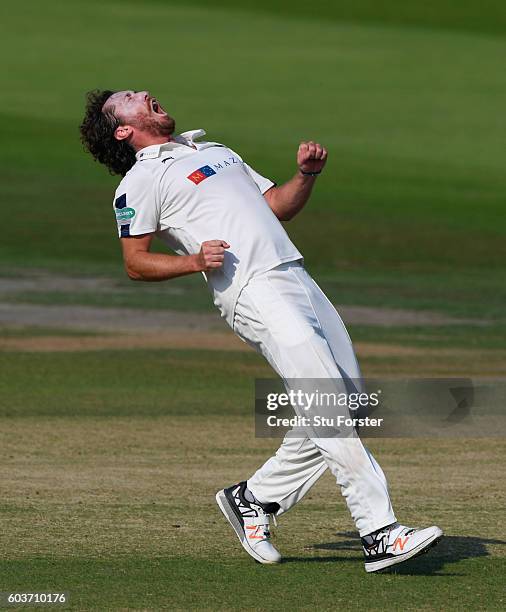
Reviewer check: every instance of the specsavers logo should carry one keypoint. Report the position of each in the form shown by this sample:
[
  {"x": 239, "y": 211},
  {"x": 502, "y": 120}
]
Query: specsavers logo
[{"x": 125, "y": 214}]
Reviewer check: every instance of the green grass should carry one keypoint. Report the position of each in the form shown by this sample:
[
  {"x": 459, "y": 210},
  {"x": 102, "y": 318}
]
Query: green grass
[
  {"x": 488, "y": 16},
  {"x": 476, "y": 296},
  {"x": 125, "y": 383},
  {"x": 473, "y": 296},
  {"x": 437, "y": 337},
  {"x": 110, "y": 461},
  {"x": 40, "y": 332},
  {"x": 183, "y": 294},
  {"x": 412, "y": 116},
  {"x": 185, "y": 583}
]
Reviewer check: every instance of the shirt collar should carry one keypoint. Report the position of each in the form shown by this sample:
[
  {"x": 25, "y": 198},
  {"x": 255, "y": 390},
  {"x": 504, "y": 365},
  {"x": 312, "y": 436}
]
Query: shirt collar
[{"x": 184, "y": 139}]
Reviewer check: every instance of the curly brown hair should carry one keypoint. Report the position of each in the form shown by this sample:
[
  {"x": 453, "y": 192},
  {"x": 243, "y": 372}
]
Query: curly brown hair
[{"x": 97, "y": 135}]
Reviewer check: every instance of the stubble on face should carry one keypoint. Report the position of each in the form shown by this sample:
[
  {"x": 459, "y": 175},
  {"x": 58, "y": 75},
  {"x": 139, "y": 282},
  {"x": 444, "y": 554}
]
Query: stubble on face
[
  {"x": 153, "y": 124},
  {"x": 144, "y": 117}
]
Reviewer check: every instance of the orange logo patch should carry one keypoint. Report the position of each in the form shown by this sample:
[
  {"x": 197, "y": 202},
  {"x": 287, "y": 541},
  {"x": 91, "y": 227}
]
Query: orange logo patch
[
  {"x": 399, "y": 542},
  {"x": 252, "y": 536}
]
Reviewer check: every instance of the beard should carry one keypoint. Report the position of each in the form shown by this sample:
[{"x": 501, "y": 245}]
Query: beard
[{"x": 161, "y": 125}]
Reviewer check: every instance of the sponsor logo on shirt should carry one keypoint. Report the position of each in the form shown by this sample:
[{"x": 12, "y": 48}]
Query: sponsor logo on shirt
[
  {"x": 199, "y": 175},
  {"x": 124, "y": 214},
  {"x": 226, "y": 162}
]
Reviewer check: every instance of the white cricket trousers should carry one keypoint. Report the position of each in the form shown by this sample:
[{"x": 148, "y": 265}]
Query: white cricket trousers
[{"x": 285, "y": 316}]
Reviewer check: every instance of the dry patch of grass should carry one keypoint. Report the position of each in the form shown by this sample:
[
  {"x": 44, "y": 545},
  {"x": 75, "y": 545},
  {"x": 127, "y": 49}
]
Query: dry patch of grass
[
  {"x": 119, "y": 486},
  {"x": 375, "y": 357}
]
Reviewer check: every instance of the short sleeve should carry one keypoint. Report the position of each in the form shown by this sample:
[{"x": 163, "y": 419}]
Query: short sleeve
[
  {"x": 135, "y": 206},
  {"x": 262, "y": 182}
]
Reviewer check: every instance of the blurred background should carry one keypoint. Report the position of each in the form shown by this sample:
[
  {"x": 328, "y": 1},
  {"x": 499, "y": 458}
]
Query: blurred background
[
  {"x": 102, "y": 379},
  {"x": 408, "y": 98}
]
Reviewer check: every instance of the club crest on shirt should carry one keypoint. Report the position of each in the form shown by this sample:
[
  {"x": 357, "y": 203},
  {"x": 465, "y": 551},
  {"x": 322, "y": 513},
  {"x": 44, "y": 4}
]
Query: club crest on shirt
[{"x": 199, "y": 175}]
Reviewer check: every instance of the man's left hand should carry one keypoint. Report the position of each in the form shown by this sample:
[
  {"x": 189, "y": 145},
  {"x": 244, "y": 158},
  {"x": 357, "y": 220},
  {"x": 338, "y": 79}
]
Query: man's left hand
[{"x": 311, "y": 157}]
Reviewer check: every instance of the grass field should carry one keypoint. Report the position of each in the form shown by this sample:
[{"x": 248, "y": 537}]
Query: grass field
[
  {"x": 412, "y": 118},
  {"x": 108, "y": 494},
  {"x": 413, "y": 193},
  {"x": 113, "y": 443}
]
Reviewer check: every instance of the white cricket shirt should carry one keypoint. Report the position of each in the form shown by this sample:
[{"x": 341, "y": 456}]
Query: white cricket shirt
[{"x": 188, "y": 195}]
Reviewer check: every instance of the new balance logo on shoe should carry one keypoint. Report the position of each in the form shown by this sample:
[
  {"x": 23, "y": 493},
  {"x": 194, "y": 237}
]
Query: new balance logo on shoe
[
  {"x": 396, "y": 543},
  {"x": 400, "y": 543}
]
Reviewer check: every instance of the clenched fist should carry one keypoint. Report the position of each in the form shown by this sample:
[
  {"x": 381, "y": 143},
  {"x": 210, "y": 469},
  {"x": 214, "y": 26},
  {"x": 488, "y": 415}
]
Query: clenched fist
[
  {"x": 311, "y": 157},
  {"x": 211, "y": 255}
]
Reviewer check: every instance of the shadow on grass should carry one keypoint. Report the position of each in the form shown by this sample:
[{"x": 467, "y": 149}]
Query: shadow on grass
[{"x": 451, "y": 549}]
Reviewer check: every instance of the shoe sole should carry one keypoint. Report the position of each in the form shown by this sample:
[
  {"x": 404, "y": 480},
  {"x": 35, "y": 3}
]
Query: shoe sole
[
  {"x": 229, "y": 514},
  {"x": 422, "y": 548}
]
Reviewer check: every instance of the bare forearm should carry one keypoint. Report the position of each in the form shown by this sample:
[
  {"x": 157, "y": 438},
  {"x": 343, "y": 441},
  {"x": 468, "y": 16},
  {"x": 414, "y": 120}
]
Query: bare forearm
[
  {"x": 289, "y": 199},
  {"x": 154, "y": 267},
  {"x": 141, "y": 264}
]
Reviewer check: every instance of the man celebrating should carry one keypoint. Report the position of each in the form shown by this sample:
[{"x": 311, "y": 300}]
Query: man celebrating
[{"x": 223, "y": 219}]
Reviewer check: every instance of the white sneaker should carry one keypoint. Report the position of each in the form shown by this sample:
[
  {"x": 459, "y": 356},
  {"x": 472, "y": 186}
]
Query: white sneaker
[
  {"x": 250, "y": 521},
  {"x": 397, "y": 543}
]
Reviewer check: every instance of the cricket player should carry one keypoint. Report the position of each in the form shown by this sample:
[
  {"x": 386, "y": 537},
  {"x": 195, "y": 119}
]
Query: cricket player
[{"x": 223, "y": 219}]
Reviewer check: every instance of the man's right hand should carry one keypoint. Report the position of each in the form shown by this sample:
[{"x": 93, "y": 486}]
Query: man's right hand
[{"x": 212, "y": 254}]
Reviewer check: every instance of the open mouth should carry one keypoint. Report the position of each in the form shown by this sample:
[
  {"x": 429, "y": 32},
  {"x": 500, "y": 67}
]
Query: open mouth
[{"x": 156, "y": 108}]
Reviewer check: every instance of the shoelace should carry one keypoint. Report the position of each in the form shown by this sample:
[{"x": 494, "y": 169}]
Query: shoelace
[
  {"x": 261, "y": 526},
  {"x": 267, "y": 532},
  {"x": 260, "y": 515},
  {"x": 388, "y": 530}
]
